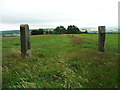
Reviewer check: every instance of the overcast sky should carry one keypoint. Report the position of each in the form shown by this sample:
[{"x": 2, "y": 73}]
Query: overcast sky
[{"x": 52, "y": 13}]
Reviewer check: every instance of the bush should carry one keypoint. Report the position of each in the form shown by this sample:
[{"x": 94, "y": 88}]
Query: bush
[
  {"x": 34, "y": 32},
  {"x": 60, "y": 30},
  {"x": 37, "y": 32},
  {"x": 73, "y": 30}
]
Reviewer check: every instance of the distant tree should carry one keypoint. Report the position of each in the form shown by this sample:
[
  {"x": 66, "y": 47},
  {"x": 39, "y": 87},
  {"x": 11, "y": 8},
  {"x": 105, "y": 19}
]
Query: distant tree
[
  {"x": 60, "y": 30},
  {"x": 86, "y": 31},
  {"x": 37, "y": 32},
  {"x": 50, "y": 32},
  {"x": 34, "y": 32},
  {"x": 40, "y": 31},
  {"x": 72, "y": 29},
  {"x": 53, "y": 32},
  {"x": 47, "y": 32}
]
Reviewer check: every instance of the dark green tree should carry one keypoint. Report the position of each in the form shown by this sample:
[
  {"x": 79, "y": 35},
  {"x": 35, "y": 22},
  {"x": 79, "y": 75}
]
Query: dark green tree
[
  {"x": 34, "y": 32},
  {"x": 37, "y": 32},
  {"x": 60, "y": 30},
  {"x": 72, "y": 29},
  {"x": 86, "y": 31},
  {"x": 40, "y": 31},
  {"x": 47, "y": 32},
  {"x": 50, "y": 32}
]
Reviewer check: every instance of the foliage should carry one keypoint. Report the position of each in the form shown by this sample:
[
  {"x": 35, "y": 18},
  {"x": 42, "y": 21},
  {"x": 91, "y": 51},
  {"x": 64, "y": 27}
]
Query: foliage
[
  {"x": 60, "y": 30},
  {"x": 46, "y": 32},
  {"x": 50, "y": 32},
  {"x": 72, "y": 29},
  {"x": 34, "y": 32},
  {"x": 37, "y": 32},
  {"x": 86, "y": 31},
  {"x": 40, "y": 31}
]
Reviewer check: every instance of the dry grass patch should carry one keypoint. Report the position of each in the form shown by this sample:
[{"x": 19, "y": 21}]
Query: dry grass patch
[{"x": 75, "y": 39}]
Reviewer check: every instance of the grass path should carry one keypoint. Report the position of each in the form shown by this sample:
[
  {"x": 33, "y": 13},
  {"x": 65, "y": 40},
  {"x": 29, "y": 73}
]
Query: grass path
[{"x": 59, "y": 61}]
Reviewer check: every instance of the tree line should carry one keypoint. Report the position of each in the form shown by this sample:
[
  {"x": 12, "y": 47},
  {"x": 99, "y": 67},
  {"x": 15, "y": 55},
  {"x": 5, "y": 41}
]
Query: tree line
[{"x": 71, "y": 29}]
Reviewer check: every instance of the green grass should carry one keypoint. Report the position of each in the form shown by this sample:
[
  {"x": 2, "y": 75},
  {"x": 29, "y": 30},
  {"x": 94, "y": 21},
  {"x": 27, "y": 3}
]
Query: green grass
[{"x": 61, "y": 61}]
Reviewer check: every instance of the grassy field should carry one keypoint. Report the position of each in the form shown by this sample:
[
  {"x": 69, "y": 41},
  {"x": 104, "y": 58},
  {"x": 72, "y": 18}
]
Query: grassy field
[{"x": 61, "y": 61}]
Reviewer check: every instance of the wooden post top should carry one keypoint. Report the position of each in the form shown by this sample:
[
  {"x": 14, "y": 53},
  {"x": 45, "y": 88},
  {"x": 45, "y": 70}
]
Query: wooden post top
[
  {"x": 24, "y": 25},
  {"x": 101, "y": 29}
]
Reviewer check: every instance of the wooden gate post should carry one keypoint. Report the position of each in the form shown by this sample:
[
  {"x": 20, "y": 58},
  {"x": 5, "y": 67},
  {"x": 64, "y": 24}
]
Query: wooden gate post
[
  {"x": 101, "y": 32},
  {"x": 25, "y": 40}
]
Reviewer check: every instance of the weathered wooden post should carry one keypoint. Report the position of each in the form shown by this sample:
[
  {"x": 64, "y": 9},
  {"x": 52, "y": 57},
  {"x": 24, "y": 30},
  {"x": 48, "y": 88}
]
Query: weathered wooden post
[
  {"x": 101, "y": 32},
  {"x": 25, "y": 40}
]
